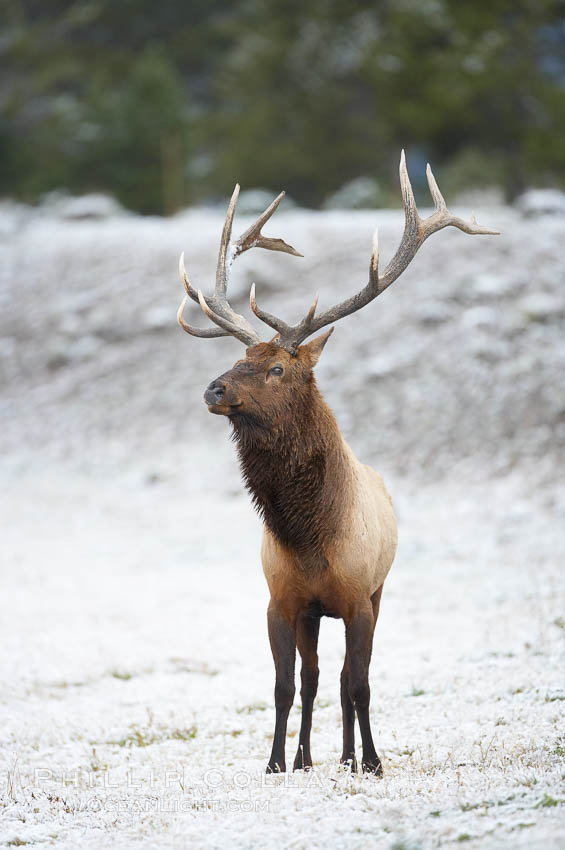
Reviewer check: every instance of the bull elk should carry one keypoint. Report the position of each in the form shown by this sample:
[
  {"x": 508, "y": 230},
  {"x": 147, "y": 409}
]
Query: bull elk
[{"x": 329, "y": 533}]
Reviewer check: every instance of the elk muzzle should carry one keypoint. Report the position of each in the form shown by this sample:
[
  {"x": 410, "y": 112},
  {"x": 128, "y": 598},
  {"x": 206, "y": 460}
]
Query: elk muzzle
[{"x": 220, "y": 398}]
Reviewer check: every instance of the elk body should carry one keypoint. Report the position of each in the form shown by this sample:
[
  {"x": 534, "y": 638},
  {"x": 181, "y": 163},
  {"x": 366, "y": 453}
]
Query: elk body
[{"x": 329, "y": 534}]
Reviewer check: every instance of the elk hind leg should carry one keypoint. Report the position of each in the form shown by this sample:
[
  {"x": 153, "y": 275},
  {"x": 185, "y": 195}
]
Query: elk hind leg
[
  {"x": 359, "y": 643},
  {"x": 348, "y": 715}
]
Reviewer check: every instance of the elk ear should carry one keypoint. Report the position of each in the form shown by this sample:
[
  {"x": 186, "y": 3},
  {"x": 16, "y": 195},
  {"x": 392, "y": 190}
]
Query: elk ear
[{"x": 314, "y": 348}]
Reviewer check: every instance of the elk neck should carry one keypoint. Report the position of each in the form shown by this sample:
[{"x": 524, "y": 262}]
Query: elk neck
[{"x": 296, "y": 468}]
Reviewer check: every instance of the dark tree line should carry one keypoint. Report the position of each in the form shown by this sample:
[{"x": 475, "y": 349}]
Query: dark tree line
[{"x": 164, "y": 104}]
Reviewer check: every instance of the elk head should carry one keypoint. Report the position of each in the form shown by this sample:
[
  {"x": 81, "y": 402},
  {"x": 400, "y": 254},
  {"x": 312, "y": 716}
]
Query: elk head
[
  {"x": 275, "y": 376},
  {"x": 269, "y": 386}
]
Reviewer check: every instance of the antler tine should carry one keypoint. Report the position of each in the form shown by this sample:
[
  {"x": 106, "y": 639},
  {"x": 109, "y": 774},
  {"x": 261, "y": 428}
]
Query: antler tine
[
  {"x": 192, "y": 293},
  {"x": 273, "y": 322},
  {"x": 237, "y": 330},
  {"x": 416, "y": 231},
  {"x": 206, "y": 333},
  {"x": 439, "y": 201},
  {"x": 312, "y": 310},
  {"x": 374, "y": 264},
  {"x": 289, "y": 336},
  {"x": 410, "y": 210},
  {"x": 223, "y": 267},
  {"x": 443, "y": 218},
  {"x": 253, "y": 238}
]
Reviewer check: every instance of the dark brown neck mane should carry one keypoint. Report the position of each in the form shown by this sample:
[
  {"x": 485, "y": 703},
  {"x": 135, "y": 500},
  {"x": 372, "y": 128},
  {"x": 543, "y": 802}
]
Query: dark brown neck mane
[{"x": 296, "y": 470}]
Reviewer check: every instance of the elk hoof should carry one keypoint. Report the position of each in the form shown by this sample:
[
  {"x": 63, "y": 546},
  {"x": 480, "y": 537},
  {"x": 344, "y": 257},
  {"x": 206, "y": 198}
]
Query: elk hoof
[
  {"x": 302, "y": 762},
  {"x": 351, "y": 761},
  {"x": 373, "y": 766},
  {"x": 275, "y": 767}
]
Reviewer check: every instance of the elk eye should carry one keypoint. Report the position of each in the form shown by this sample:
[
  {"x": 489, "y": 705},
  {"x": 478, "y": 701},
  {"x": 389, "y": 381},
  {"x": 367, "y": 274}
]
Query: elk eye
[{"x": 276, "y": 370}]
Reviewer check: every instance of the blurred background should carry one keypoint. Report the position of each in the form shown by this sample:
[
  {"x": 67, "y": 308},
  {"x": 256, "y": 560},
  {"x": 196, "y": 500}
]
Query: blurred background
[{"x": 164, "y": 104}]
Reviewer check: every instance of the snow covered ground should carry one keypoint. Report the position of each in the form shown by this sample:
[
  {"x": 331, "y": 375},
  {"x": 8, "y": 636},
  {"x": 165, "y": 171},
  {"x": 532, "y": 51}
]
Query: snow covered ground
[{"x": 136, "y": 702}]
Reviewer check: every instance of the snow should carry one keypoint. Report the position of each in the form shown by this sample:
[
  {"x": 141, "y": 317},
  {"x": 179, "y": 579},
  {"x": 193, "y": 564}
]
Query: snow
[
  {"x": 538, "y": 202},
  {"x": 136, "y": 699}
]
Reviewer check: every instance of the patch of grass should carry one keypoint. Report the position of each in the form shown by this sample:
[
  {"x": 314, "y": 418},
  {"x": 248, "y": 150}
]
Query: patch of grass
[
  {"x": 559, "y": 622},
  {"x": 463, "y": 837},
  {"x": 416, "y": 692},
  {"x": 435, "y": 814},
  {"x": 250, "y": 709},
  {"x": 17, "y": 842},
  {"x": 559, "y": 749},
  {"x": 54, "y": 798},
  {"x": 184, "y": 734},
  {"x": 486, "y": 804},
  {"x": 121, "y": 674},
  {"x": 547, "y": 802},
  {"x": 63, "y": 685},
  {"x": 485, "y": 751},
  {"x": 354, "y": 789},
  {"x": 145, "y": 738},
  {"x": 556, "y": 697},
  {"x": 136, "y": 738},
  {"x": 235, "y": 733},
  {"x": 185, "y": 665}
]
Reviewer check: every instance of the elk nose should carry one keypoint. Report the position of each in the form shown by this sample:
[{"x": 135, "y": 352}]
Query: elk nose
[{"x": 215, "y": 392}]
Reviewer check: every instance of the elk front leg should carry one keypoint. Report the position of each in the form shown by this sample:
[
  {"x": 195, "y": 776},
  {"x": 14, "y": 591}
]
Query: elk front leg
[
  {"x": 282, "y": 637},
  {"x": 307, "y": 631},
  {"x": 359, "y": 644}
]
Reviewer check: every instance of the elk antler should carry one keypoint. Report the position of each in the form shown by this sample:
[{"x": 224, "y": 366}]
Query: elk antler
[
  {"x": 416, "y": 231},
  {"x": 216, "y": 306}
]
